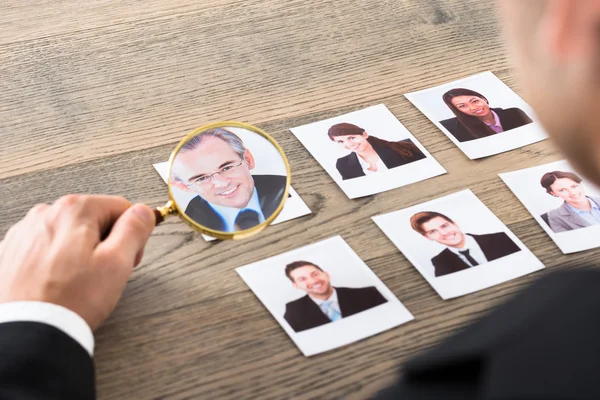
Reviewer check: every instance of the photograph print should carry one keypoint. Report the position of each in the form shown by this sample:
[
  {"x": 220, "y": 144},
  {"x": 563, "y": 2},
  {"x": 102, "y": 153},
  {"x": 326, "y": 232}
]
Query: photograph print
[
  {"x": 294, "y": 206},
  {"x": 368, "y": 151},
  {"x": 236, "y": 177},
  {"x": 480, "y": 114},
  {"x": 458, "y": 244},
  {"x": 324, "y": 296},
  {"x": 565, "y": 206}
]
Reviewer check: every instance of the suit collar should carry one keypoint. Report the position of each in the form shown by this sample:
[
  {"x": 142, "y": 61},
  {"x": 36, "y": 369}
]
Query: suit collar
[
  {"x": 229, "y": 214},
  {"x": 564, "y": 211},
  {"x": 332, "y": 298}
]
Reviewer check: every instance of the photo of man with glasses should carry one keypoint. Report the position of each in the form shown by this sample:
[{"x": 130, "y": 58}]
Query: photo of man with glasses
[{"x": 216, "y": 165}]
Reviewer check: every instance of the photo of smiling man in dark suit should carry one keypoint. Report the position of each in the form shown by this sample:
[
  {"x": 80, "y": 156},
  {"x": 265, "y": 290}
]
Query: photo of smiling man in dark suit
[
  {"x": 324, "y": 303},
  {"x": 215, "y": 164},
  {"x": 463, "y": 250}
]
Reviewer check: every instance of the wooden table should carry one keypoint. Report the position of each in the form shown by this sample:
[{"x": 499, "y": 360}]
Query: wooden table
[{"x": 93, "y": 93}]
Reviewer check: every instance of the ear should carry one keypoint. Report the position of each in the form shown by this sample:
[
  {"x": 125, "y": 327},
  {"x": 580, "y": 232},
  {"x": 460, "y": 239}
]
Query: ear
[
  {"x": 295, "y": 285},
  {"x": 365, "y": 134},
  {"x": 249, "y": 158},
  {"x": 570, "y": 28},
  {"x": 551, "y": 193},
  {"x": 177, "y": 183}
]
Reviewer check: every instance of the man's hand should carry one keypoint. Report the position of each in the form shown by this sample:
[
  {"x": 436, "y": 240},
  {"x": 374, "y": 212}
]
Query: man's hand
[{"x": 78, "y": 253}]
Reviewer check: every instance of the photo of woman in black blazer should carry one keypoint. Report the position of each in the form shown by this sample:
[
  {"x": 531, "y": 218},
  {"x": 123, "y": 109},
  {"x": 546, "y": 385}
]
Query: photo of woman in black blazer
[
  {"x": 370, "y": 154},
  {"x": 474, "y": 117}
]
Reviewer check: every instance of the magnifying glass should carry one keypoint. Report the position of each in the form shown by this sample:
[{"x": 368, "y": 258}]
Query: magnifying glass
[{"x": 228, "y": 180}]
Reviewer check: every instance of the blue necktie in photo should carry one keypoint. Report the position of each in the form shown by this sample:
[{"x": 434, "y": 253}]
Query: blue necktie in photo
[
  {"x": 246, "y": 219},
  {"x": 332, "y": 313}
]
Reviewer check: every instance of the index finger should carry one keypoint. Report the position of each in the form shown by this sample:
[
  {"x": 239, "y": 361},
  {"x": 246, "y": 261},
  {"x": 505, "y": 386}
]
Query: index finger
[{"x": 97, "y": 213}]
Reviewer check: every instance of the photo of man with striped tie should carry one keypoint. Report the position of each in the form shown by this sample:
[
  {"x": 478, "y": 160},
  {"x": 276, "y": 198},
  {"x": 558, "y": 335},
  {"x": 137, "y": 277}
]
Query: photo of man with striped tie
[
  {"x": 463, "y": 250},
  {"x": 324, "y": 303},
  {"x": 216, "y": 165}
]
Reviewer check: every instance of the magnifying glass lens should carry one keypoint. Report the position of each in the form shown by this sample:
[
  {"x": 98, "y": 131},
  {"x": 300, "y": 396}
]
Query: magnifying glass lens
[{"x": 228, "y": 180}]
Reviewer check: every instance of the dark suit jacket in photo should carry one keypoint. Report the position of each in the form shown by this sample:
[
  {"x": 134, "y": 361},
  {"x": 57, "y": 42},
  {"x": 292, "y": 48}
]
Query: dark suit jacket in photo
[
  {"x": 349, "y": 166},
  {"x": 304, "y": 313},
  {"x": 510, "y": 118},
  {"x": 270, "y": 189},
  {"x": 563, "y": 219},
  {"x": 493, "y": 245}
]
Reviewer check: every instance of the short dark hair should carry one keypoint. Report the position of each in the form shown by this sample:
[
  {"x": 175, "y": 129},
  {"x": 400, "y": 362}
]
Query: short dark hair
[
  {"x": 550, "y": 177},
  {"x": 297, "y": 264},
  {"x": 417, "y": 220}
]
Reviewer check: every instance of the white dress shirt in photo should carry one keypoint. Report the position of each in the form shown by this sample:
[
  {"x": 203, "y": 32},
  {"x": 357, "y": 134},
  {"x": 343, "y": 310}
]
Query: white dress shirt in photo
[
  {"x": 229, "y": 214},
  {"x": 474, "y": 251},
  {"x": 365, "y": 165},
  {"x": 332, "y": 300}
]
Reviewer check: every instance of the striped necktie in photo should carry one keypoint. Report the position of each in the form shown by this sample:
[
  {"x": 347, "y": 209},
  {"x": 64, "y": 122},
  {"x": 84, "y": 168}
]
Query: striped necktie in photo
[{"x": 331, "y": 311}]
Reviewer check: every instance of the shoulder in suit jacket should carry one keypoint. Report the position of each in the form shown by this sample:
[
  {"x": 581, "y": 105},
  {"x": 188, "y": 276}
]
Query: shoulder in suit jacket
[
  {"x": 563, "y": 219},
  {"x": 270, "y": 189},
  {"x": 493, "y": 245},
  {"x": 522, "y": 350},
  {"x": 40, "y": 362},
  {"x": 510, "y": 118},
  {"x": 304, "y": 313},
  {"x": 349, "y": 166}
]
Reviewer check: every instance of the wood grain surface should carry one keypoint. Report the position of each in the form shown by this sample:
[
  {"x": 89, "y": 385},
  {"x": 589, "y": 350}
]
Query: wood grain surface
[{"x": 92, "y": 93}]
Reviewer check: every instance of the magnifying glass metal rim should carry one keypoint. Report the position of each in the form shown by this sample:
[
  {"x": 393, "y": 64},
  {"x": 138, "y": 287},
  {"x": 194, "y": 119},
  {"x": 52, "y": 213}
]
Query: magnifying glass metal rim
[{"x": 172, "y": 207}]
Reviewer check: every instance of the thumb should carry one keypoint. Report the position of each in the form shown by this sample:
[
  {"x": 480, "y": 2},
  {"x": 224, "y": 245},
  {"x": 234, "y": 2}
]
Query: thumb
[{"x": 128, "y": 236}]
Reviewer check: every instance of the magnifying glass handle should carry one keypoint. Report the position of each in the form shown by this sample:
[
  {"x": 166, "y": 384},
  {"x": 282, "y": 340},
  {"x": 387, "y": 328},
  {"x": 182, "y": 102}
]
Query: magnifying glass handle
[{"x": 163, "y": 212}]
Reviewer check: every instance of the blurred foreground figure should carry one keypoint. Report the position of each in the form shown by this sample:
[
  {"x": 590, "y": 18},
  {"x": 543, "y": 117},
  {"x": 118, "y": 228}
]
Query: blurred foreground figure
[{"x": 542, "y": 344}]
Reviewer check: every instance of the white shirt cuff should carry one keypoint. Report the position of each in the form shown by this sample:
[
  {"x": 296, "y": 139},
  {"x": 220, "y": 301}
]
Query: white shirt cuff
[{"x": 50, "y": 314}]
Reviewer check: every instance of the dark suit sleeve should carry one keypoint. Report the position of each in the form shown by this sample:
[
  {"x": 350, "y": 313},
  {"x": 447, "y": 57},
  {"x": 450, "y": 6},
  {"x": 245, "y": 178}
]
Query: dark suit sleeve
[
  {"x": 450, "y": 125},
  {"x": 445, "y": 263},
  {"x": 437, "y": 268},
  {"x": 506, "y": 244},
  {"x": 340, "y": 165},
  {"x": 40, "y": 362},
  {"x": 374, "y": 297},
  {"x": 542, "y": 344},
  {"x": 457, "y": 129},
  {"x": 290, "y": 319},
  {"x": 519, "y": 117},
  {"x": 557, "y": 224},
  {"x": 417, "y": 154}
]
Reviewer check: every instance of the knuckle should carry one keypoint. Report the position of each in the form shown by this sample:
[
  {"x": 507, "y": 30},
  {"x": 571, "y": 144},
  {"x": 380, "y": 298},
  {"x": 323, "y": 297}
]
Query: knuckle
[
  {"x": 114, "y": 257},
  {"x": 38, "y": 209},
  {"x": 68, "y": 201},
  {"x": 86, "y": 229}
]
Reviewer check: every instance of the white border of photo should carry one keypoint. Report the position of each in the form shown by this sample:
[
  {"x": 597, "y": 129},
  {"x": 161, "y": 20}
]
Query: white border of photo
[
  {"x": 525, "y": 184},
  {"x": 396, "y": 226},
  {"x": 339, "y": 333},
  {"x": 377, "y": 121},
  {"x": 492, "y": 87},
  {"x": 294, "y": 206}
]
